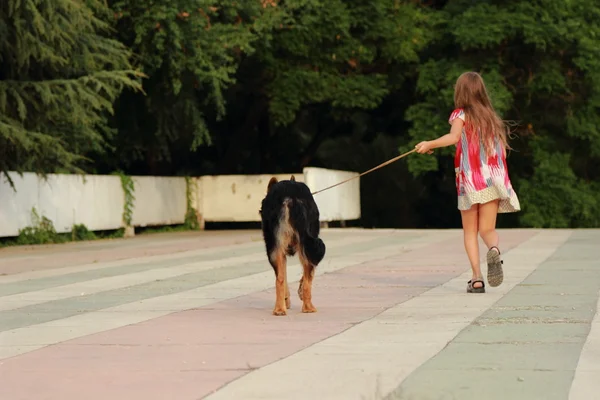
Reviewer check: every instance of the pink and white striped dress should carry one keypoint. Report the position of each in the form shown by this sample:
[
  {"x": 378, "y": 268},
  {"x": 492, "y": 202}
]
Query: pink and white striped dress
[{"x": 481, "y": 178}]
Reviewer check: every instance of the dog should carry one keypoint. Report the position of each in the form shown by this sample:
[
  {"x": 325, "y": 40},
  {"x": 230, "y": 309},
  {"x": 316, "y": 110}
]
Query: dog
[{"x": 290, "y": 225}]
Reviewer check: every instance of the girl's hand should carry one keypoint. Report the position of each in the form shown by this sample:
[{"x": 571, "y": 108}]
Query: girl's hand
[{"x": 424, "y": 147}]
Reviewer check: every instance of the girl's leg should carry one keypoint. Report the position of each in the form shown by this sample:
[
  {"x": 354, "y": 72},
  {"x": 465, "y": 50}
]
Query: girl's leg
[
  {"x": 470, "y": 227},
  {"x": 487, "y": 223},
  {"x": 487, "y": 229}
]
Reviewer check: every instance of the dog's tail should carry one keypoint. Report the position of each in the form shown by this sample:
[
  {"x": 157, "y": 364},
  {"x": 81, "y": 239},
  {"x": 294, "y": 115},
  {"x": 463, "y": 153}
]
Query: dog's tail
[{"x": 313, "y": 246}]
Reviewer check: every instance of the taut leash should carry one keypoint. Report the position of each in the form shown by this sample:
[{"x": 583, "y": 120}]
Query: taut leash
[{"x": 369, "y": 171}]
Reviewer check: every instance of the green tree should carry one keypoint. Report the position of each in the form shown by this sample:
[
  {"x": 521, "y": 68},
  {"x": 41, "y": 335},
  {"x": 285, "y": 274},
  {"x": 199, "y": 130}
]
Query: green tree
[
  {"x": 190, "y": 50},
  {"x": 59, "y": 76},
  {"x": 272, "y": 86},
  {"x": 250, "y": 77},
  {"x": 541, "y": 61},
  {"x": 316, "y": 75}
]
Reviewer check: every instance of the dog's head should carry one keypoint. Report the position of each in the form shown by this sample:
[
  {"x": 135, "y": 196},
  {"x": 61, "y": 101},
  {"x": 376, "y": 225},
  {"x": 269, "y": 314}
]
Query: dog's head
[
  {"x": 274, "y": 180},
  {"x": 272, "y": 183}
]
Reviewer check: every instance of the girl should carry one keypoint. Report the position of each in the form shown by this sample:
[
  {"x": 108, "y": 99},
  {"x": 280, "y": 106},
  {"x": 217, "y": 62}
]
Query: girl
[{"x": 482, "y": 181}]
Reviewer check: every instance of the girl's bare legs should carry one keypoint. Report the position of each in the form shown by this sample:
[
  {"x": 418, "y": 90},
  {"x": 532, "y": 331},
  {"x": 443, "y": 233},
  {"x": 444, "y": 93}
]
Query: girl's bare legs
[
  {"x": 487, "y": 223},
  {"x": 470, "y": 228},
  {"x": 487, "y": 229}
]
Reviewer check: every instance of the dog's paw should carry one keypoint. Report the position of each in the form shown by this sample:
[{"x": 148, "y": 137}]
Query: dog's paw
[
  {"x": 308, "y": 308},
  {"x": 279, "y": 312}
]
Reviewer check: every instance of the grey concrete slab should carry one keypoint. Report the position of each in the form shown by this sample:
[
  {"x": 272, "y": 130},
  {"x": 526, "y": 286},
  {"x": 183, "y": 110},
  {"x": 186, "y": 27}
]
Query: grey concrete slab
[
  {"x": 477, "y": 384},
  {"x": 523, "y": 356}
]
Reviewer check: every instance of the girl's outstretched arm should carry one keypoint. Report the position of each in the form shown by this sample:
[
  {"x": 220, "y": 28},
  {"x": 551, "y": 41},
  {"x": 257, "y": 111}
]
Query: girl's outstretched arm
[{"x": 444, "y": 141}]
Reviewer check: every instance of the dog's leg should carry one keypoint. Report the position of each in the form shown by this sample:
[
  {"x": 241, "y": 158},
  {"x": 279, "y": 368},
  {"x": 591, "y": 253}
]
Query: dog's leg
[
  {"x": 280, "y": 284},
  {"x": 300, "y": 288},
  {"x": 306, "y": 286},
  {"x": 288, "y": 301}
]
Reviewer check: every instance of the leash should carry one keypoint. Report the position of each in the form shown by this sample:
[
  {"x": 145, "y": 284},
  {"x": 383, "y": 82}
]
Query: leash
[{"x": 368, "y": 172}]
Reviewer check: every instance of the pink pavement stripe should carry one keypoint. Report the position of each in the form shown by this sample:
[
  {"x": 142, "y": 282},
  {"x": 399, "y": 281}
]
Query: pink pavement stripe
[{"x": 190, "y": 354}]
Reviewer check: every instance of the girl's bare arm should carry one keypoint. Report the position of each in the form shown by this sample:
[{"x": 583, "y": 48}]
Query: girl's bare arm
[{"x": 450, "y": 138}]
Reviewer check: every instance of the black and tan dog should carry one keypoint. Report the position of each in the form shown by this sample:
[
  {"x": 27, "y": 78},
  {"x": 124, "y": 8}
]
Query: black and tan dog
[{"x": 290, "y": 225}]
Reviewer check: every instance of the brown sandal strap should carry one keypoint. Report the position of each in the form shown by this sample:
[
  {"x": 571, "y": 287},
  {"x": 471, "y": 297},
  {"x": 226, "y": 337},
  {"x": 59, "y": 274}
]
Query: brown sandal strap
[{"x": 472, "y": 283}]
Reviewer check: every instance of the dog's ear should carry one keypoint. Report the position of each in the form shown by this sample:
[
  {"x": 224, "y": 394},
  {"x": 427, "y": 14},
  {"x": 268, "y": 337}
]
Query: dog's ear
[
  {"x": 271, "y": 183},
  {"x": 293, "y": 178}
]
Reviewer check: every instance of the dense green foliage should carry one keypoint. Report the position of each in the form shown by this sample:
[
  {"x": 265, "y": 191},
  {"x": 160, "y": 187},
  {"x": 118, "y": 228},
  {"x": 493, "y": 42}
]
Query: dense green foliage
[
  {"x": 269, "y": 86},
  {"x": 190, "y": 50},
  {"x": 541, "y": 61}
]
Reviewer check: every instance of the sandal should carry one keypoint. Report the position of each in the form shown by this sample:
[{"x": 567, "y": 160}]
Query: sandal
[
  {"x": 472, "y": 289},
  {"x": 495, "y": 275}
]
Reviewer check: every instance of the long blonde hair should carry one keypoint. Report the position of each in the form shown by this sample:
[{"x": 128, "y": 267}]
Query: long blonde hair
[{"x": 471, "y": 95}]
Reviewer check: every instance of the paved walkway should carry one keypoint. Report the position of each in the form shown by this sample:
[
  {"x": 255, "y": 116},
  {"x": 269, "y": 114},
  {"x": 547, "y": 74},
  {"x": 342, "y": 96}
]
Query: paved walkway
[{"x": 188, "y": 316}]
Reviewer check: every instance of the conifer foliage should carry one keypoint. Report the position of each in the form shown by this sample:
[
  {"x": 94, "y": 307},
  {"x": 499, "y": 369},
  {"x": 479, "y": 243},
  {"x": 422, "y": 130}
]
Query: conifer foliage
[{"x": 60, "y": 73}]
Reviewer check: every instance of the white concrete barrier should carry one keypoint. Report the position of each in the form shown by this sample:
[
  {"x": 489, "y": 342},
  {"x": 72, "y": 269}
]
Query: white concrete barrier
[
  {"x": 159, "y": 200},
  {"x": 94, "y": 200},
  {"x": 237, "y": 198},
  {"x": 97, "y": 201},
  {"x": 341, "y": 203},
  {"x": 234, "y": 198}
]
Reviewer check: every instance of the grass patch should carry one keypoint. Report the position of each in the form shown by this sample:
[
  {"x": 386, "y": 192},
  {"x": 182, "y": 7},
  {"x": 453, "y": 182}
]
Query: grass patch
[
  {"x": 42, "y": 231},
  {"x": 163, "y": 229}
]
